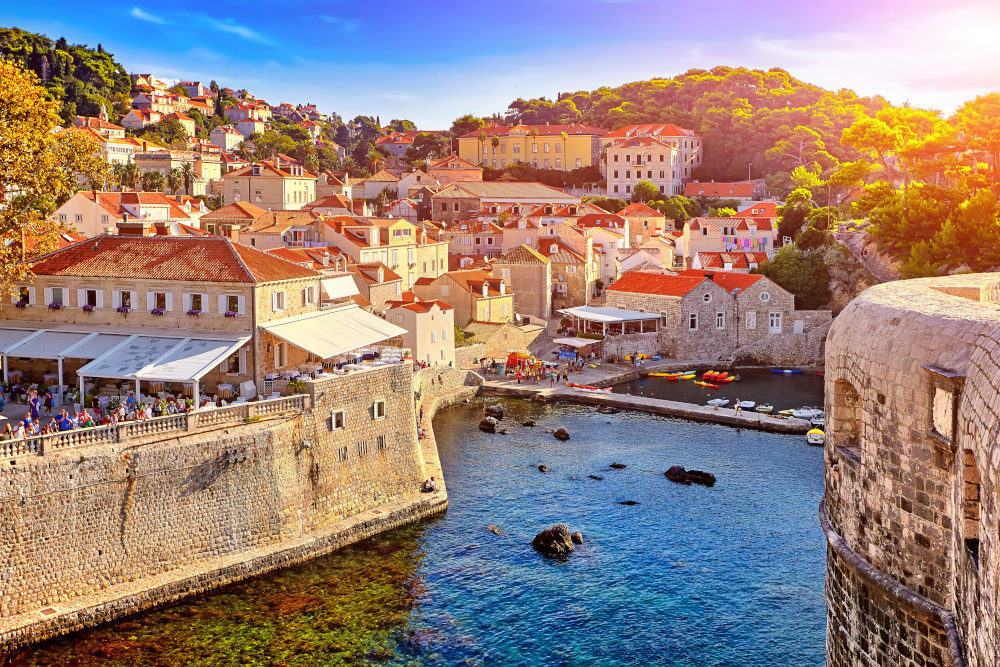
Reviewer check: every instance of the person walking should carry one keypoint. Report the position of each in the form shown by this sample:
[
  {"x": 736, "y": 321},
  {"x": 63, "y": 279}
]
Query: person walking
[
  {"x": 739, "y": 407},
  {"x": 33, "y": 405}
]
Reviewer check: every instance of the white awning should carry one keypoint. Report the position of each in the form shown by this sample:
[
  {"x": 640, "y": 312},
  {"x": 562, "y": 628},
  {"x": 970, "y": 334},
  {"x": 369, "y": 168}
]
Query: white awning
[
  {"x": 190, "y": 360},
  {"x": 339, "y": 287},
  {"x": 332, "y": 332},
  {"x": 166, "y": 359},
  {"x": 598, "y": 314},
  {"x": 95, "y": 345},
  {"x": 12, "y": 337},
  {"x": 46, "y": 345},
  {"x": 576, "y": 342}
]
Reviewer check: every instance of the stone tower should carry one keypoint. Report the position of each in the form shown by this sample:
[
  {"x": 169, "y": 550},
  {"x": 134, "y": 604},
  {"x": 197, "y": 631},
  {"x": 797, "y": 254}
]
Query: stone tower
[{"x": 912, "y": 463}]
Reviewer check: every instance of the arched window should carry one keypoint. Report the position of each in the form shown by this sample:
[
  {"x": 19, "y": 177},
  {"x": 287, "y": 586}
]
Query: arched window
[{"x": 970, "y": 506}]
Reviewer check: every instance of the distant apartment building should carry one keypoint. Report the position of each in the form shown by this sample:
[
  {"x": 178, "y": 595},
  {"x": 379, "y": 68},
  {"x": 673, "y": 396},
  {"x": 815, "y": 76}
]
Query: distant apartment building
[
  {"x": 430, "y": 329},
  {"x": 547, "y": 146},
  {"x": 475, "y": 295},
  {"x": 226, "y": 137},
  {"x": 453, "y": 169},
  {"x": 463, "y": 201},
  {"x": 270, "y": 185},
  {"x": 664, "y": 154}
]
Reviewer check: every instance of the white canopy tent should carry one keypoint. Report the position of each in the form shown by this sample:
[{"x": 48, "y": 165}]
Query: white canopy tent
[
  {"x": 332, "y": 332},
  {"x": 597, "y": 319},
  {"x": 339, "y": 287}
]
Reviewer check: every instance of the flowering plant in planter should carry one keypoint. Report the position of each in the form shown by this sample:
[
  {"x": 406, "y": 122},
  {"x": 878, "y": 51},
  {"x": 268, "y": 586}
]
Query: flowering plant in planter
[
  {"x": 123, "y": 310},
  {"x": 55, "y": 306},
  {"x": 194, "y": 312},
  {"x": 157, "y": 311},
  {"x": 231, "y": 313},
  {"x": 88, "y": 308},
  {"x": 21, "y": 304}
]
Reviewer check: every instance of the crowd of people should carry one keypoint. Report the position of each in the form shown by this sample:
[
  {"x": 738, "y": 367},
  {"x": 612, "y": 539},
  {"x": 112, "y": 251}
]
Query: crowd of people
[{"x": 129, "y": 409}]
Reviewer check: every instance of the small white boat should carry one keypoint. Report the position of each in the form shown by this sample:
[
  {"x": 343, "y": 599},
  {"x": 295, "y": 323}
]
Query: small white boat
[
  {"x": 765, "y": 408},
  {"x": 815, "y": 437},
  {"x": 805, "y": 413},
  {"x": 819, "y": 421},
  {"x": 748, "y": 405},
  {"x": 719, "y": 402}
]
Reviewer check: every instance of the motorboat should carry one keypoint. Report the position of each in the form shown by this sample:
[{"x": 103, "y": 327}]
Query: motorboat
[
  {"x": 819, "y": 421},
  {"x": 787, "y": 371},
  {"x": 806, "y": 413},
  {"x": 719, "y": 402},
  {"x": 815, "y": 437},
  {"x": 766, "y": 408},
  {"x": 748, "y": 405}
]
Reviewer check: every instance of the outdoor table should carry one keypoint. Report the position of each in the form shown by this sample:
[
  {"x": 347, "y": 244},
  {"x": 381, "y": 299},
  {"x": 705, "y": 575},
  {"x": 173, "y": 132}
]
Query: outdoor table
[
  {"x": 14, "y": 376},
  {"x": 50, "y": 378}
]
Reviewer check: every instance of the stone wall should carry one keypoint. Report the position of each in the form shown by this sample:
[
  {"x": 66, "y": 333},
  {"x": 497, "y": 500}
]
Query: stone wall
[
  {"x": 466, "y": 356},
  {"x": 788, "y": 349},
  {"x": 87, "y": 530},
  {"x": 912, "y": 463}
]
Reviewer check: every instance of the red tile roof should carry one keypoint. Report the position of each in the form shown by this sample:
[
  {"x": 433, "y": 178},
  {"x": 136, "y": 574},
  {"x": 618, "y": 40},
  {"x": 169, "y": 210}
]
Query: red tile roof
[
  {"x": 240, "y": 210},
  {"x": 543, "y": 130},
  {"x": 605, "y": 220},
  {"x": 742, "y": 189},
  {"x": 639, "y": 209},
  {"x": 737, "y": 260},
  {"x": 207, "y": 259},
  {"x": 417, "y": 306},
  {"x": 764, "y": 210},
  {"x": 640, "y": 282},
  {"x": 655, "y": 129},
  {"x": 728, "y": 280}
]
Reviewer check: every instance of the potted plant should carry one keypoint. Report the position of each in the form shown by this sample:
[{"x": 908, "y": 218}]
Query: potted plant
[
  {"x": 297, "y": 385},
  {"x": 194, "y": 312},
  {"x": 230, "y": 313},
  {"x": 55, "y": 306},
  {"x": 88, "y": 308},
  {"x": 157, "y": 311},
  {"x": 23, "y": 303},
  {"x": 123, "y": 310}
]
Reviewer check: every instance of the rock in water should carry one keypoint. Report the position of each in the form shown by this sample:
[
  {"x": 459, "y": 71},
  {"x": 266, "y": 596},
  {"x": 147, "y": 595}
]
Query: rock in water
[
  {"x": 543, "y": 468},
  {"x": 595, "y": 477},
  {"x": 628, "y": 502},
  {"x": 502, "y": 431},
  {"x": 607, "y": 410},
  {"x": 678, "y": 474},
  {"x": 700, "y": 477},
  {"x": 577, "y": 538},
  {"x": 618, "y": 466},
  {"x": 528, "y": 422},
  {"x": 495, "y": 410},
  {"x": 488, "y": 425},
  {"x": 554, "y": 542},
  {"x": 561, "y": 434},
  {"x": 496, "y": 530}
]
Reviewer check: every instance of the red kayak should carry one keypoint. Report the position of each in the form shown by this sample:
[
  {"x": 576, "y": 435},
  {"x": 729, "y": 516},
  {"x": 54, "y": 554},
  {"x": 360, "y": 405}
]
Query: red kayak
[{"x": 587, "y": 387}]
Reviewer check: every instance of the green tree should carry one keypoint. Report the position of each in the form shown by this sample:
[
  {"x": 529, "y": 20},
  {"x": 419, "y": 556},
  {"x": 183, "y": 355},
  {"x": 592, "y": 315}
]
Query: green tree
[
  {"x": 401, "y": 126},
  {"x": 175, "y": 179},
  {"x": 979, "y": 121},
  {"x": 644, "y": 191},
  {"x": 805, "y": 276},
  {"x": 188, "y": 175},
  {"x": 427, "y": 145},
  {"x": 152, "y": 181},
  {"x": 608, "y": 204}
]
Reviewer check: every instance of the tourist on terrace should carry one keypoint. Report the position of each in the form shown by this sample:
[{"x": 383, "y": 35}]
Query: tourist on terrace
[
  {"x": 33, "y": 403},
  {"x": 47, "y": 403},
  {"x": 8, "y": 432},
  {"x": 18, "y": 431},
  {"x": 428, "y": 486}
]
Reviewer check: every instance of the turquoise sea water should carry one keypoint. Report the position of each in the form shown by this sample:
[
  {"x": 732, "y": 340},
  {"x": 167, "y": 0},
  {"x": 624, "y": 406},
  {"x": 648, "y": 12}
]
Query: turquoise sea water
[{"x": 723, "y": 576}]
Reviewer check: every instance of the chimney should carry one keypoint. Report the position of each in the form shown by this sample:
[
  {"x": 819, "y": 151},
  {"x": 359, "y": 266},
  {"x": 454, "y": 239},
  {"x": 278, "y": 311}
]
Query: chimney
[
  {"x": 277, "y": 162},
  {"x": 326, "y": 258}
]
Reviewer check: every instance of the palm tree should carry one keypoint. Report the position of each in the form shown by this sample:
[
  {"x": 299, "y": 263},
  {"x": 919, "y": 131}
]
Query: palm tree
[
  {"x": 482, "y": 143},
  {"x": 532, "y": 134},
  {"x": 118, "y": 170},
  {"x": 175, "y": 179},
  {"x": 187, "y": 173},
  {"x": 131, "y": 176},
  {"x": 564, "y": 137},
  {"x": 152, "y": 181}
]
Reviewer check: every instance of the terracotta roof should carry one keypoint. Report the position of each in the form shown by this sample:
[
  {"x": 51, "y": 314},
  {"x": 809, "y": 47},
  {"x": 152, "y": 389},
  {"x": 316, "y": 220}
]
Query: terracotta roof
[
  {"x": 641, "y": 142},
  {"x": 736, "y": 260},
  {"x": 278, "y": 222},
  {"x": 739, "y": 189},
  {"x": 545, "y": 130},
  {"x": 456, "y": 262},
  {"x": 206, "y": 259},
  {"x": 240, "y": 210},
  {"x": 762, "y": 224},
  {"x": 472, "y": 281},
  {"x": 330, "y": 201},
  {"x": 96, "y": 123},
  {"x": 312, "y": 257},
  {"x": 728, "y": 280},
  {"x": 523, "y": 254},
  {"x": 491, "y": 190},
  {"x": 640, "y": 282},
  {"x": 112, "y": 202},
  {"x": 605, "y": 220},
  {"x": 655, "y": 129},
  {"x": 382, "y": 176},
  {"x": 417, "y": 306},
  {"x": 267, "y": 167},
  {"x": 394, "y": 138},
  {"x": 368, "y": 271},
  {"x": 558, "y": 251},
  {"x": 763, "y": 210},
  {"x": 639, "y": 210},
  {"x": 453, "y": 162}
]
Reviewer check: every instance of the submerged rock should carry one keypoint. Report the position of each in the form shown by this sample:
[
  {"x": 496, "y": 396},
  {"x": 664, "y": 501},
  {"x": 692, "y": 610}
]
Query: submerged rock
[
  {"x": 687, "y": 477},
  {"x": 628, "y": 502},
  {"x": 554, "y": 542},
  {"x": 488, "y": 425},
  {"x": 496, "y": 530},
  {"x": 595, "y": 477},
  {"x": 701, "y": 477},
  {"x": 618, "y": 466},
  {"x": 677, "y": 474},
  {"x": 607, "y": 410},
  {"x": 528, "y": 422},
  {"x": 495, "y": 410},
  {"x": 503, "y": 431},
  {"x": 561, "y": 434},
  {"x": 577, "y": 538},
  {"x": 543, "y": 468}
]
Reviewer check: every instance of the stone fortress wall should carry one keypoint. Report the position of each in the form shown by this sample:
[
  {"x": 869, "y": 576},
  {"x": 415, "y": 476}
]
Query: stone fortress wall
[
  {"x": 912, "y": 463},
  {"x": 96, "y": 532}
]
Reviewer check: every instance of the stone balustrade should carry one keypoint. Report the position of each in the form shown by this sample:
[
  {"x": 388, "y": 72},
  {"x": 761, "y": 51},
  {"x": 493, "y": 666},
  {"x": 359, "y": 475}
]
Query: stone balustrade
[{"x": 238, "y": 413}]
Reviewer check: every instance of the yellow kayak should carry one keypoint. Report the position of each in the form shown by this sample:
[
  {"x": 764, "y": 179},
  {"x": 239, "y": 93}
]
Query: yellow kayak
[
  {"x": 663, "y": 375},
  {"x": 688, "y": 377}
]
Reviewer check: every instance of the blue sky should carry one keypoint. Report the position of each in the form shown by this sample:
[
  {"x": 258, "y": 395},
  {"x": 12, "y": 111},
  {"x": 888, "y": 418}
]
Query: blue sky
[{"x": 431, "y": 62}]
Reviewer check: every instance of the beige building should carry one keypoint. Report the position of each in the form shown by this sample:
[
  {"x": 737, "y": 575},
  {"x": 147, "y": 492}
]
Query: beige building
[
  {"x": 453, "y": 169},
  {"x": 547, "y": 146},
  {"x": 377, "y": 283},
  {"x": 207, "y": 165},
  {"x": 276, "y": 229},
  {"x": 472, "y": 237},
  {"x": 475, "y": 295},
  {"x": 430, "y": 329},
  {"x": 709, "y": 235},
  {"x": 226, "y": 137},
  {"x": 230, "y": 219},
  {"x": 662, "y": 153},
  {"x": 643, "y": 223},
  {"x": 462, "y": 201},
  {"x": 94, "y": 214},
  {"x": 270, "y": 185},
  {"x": 529, "y": 274}
]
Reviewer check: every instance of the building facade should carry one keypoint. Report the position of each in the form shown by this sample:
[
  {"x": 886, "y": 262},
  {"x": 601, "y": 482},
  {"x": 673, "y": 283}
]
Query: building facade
[{"x": 564, "y": 147}]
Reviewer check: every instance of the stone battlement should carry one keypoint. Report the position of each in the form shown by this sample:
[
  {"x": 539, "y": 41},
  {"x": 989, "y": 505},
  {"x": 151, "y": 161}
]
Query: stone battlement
[{"x": 912, "y": 460}]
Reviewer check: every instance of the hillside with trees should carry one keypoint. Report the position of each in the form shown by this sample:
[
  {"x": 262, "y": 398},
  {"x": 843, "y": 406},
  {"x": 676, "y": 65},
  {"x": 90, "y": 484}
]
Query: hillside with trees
[{"x": 81, "y": 79}]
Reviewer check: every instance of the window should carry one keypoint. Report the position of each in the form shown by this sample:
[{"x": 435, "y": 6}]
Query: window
[
  {"x": 256, "y": 196},
  {"x": 545, "y": 148},
  {"x": 444, "y": 290},
  {"x": 765, "y": 296},
  {"x": 616, "y": 173},
  {"x": 279, "y": 355},
  {"x": 79, "y": 218},
  {"x": 232, "y": 303},
  {"x": 662, "y": 174},
  {"x": 558, "y": 148},
  {"x": 232, "y": 363},
  {"x": 341, "y": 454},
  {"x": 378, "y": 410},
  {"x": 628, "y": 158},
  {"x": 62, "y": 217},
  {"x": 579, "y": 162},
  {"x": 278, "y": 301},
  {"x": 707, "y": 298},
  {"x": 628, "y": 173},
  {"x": 971, "y": 506},
  {"x": 195, "y": 302},
  {"x": 125, "y": 298},
  {"x": 517, "y": 148},
  {"x": 444, "y": 334},
  {"x": 720, "y": 320},
  {"x": 616, "y": 158},
  {"x": 57, "y": 296},
  {"x": 104, "y": 219},
  {"x": 661, "y": 157},
  {"x": 570, "y": 269},
  {"x": 90, "y": 298},
  {"x": 456, "y": 208},
  {"x": 309, "y": 295},
  {"x": 485, "y": 149},
  {"x": 752, "y": 320},
  {"x": 504, "y": 309},
  {"x": 616, "y": 188},
  {"x": 693, "y": 321},
  {"x": 362, "y": 448},
  {"x": 775, "y": 323},
  {"x": 380, "y": 442},
  {"x": 433, "y": 337},
  {"x": 534, "y": 148},
  {"x": 236, "y": 195}
]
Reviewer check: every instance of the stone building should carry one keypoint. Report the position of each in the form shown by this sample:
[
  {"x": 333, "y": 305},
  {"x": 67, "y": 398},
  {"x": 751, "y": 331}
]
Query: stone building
[
  {"x": 430, "y": 329},
  {"x": 475, "y": 295},
  {"x": 529, "y": 274},
  {"x": 271, "y": 185},
  {"x": 468, "y": 199},
  {"x": 910, "y": 509},
  {"x": 473, "y": 237}
]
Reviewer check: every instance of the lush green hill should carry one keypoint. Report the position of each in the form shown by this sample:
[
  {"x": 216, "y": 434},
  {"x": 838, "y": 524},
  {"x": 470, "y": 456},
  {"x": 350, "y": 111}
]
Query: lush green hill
[{"x": 79, "y": 77}]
